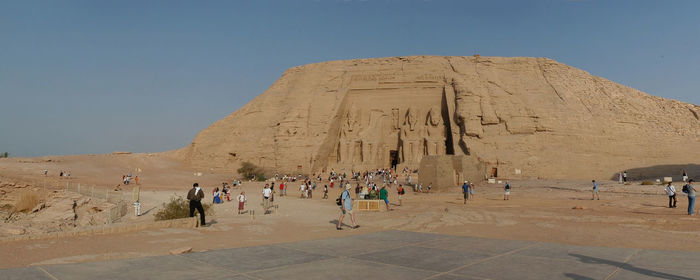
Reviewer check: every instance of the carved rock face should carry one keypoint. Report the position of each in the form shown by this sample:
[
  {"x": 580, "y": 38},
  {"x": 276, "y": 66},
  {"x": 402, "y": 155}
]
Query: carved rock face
[{"x": 534, "y": 115}]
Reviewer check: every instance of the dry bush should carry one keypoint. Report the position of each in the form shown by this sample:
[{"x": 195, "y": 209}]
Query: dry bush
[
  {"x": 179, "y": 207},
  {"x": 27, "y": 201},
  {"x": 647, "y": 183}
]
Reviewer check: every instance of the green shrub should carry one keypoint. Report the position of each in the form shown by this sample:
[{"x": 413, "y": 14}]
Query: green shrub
[
  {"x": 178, "y": 208},
  {"x": 251, "y": 171},
  {"x": 4, "y": 155}
]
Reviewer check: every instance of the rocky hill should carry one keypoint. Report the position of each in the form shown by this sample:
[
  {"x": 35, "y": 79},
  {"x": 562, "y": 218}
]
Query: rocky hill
[{"x": 522, "y": 117}]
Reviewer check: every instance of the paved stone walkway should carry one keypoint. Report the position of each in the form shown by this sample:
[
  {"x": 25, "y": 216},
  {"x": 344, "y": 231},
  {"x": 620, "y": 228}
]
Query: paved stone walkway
[{"x": 390, "y": 255}]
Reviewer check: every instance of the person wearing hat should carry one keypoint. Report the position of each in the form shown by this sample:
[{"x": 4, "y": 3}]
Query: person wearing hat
[
  {"x": 465, "y": 190},
  {"x": 346, "y": 207}
]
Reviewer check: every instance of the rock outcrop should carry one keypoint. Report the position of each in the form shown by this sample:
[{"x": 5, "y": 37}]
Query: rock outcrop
[{"x": 521, "y": 117}]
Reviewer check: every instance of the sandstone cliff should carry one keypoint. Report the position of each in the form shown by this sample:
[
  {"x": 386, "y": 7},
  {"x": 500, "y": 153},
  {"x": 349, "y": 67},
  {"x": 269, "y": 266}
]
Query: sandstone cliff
[{"x": 522, "y": 117}]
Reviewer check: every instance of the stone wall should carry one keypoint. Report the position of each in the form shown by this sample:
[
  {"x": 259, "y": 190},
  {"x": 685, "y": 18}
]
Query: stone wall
[{"x": 449, "y": 171}]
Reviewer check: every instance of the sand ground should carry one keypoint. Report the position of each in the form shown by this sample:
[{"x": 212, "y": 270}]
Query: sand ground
[{"x": 629, "y": 216}]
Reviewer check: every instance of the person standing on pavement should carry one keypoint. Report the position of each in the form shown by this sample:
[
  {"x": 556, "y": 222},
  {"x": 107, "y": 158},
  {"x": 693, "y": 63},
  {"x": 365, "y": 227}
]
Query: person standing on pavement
[
  {"x": 671, "y": 191},
  {"x": 195, "y": 196}
]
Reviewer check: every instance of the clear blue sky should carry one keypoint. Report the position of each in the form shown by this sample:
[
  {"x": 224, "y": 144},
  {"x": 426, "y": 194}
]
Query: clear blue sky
[{"x": 81, "y": 77}]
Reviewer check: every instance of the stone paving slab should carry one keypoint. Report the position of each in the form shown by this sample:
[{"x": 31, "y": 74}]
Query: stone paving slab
[
  {"x": 362, "y": 244},
  {"x": 164, "y": 267},
  {"x": 519, "y": 267},
  {"x": 424, "y": 258},
  {"x": 25, "y": 273},
  {"x": 254, "y": 258},
  {"x": 342, "y": 268},
  {"x": 471, "y": 244},
  {"x": 639, "y": 273},
  {"x": 389, "y": 255},
  {"x": 667, "y": 259}
]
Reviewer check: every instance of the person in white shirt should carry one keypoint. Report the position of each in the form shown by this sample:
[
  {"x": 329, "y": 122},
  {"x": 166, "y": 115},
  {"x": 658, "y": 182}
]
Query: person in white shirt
[
  {"x": 241, "y": 202},
  {"x": 302, "y": 190},
  {"x": 671, "y": 191},
  {"x": 266, "y": 193}
]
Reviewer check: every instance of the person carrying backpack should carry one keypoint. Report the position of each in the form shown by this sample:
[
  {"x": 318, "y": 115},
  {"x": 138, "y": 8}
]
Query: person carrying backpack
[
  {"x": 400, "y": 192},
  {"x": 345, "y": 203}
]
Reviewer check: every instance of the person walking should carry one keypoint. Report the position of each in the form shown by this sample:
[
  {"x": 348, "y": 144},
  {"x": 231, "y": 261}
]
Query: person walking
[
  {"x": 384, "y": 195},
  {"x": 685, "y": 175},
  {"x": 325, "y": 191},
  {"x": 472, "y": 190},
  {"x": 624, "y": 176},
  {"x": 266, "y": 193},
  {"x": 506, "y": 191},
  {"x": 195, "y": 196},
  {"x": 465, "y": 191},
  {"x": 346, "y": 208},
  {"x": 241, "y": 202},
  {"x": 671, "y": 191},
  {"x": 595, "y": 190},
  {"x": 400, "y": 191},
  {"x": 691, "y": 196}
]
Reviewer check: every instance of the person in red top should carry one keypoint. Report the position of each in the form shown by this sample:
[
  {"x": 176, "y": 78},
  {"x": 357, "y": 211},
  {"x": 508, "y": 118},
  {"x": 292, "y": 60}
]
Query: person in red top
[
  {"x": 400, "y": 191},
  {"x": 281, "y": 188}
]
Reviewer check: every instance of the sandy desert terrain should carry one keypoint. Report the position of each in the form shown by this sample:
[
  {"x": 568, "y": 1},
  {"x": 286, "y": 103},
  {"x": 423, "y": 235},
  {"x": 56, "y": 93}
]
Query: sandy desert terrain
[{"x": 561, "y": 211}]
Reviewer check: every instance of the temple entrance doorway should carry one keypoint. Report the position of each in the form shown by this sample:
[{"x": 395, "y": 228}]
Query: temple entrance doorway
[{"x": 394, "y": 158}]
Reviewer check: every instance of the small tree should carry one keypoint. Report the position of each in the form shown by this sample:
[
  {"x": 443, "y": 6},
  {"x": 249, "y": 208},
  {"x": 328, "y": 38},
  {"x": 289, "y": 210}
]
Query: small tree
[
  {"x": 251, "y": 171},
  {"x": 4, "y": 155}
]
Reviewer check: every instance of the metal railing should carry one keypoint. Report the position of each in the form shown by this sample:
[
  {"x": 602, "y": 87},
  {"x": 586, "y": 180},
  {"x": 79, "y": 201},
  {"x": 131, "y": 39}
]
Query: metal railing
[{"x": 120, "y": 201}]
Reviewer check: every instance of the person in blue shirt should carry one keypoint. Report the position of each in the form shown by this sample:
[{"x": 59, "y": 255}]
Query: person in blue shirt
[
  {"x": 595, "y": 190},
  {"x": 465, "y": 190},
  {"x": 346, "y": 208}
]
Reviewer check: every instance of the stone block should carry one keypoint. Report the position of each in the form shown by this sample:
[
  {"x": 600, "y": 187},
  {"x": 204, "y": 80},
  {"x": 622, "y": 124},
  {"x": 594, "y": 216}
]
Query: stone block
[{"x": 181, "y": 250}]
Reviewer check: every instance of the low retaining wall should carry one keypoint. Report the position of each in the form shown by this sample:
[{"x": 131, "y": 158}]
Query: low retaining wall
[
  {"x": 369, "y": 205},
  {"x": 109, "y": 229}
]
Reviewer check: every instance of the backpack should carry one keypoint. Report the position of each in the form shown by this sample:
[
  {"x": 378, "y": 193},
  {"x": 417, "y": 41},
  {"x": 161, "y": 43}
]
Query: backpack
[
  {"x": 339, "y": 200},
  {"x": 403, "y": 191},
  {"x": 685, "y": 189}
]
